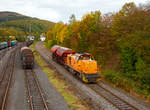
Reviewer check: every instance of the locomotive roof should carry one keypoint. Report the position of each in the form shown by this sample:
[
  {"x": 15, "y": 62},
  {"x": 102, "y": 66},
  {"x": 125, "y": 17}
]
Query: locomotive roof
[
  {"x": 83, "y": 54},
  {"x": 24, "y": 48}
]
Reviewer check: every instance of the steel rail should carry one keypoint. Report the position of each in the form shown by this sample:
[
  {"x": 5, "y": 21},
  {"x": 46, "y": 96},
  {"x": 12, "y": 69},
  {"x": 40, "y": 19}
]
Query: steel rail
[
  {"x": 118, "y": 97},
  {"x": 121, "y": 105},
  {"x": 28, "y": 89},
  {"x": 39, "y": 90},
  {"x": 9, "y": 80},
  {"x": 4, "y": 70}
]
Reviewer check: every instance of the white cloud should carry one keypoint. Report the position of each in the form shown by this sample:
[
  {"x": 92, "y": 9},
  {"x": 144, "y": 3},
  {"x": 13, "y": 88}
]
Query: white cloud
[{"x": 60, "y": 10}]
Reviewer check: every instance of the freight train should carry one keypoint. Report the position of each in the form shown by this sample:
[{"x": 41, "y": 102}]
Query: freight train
[
  {"x": 27, "y": 58},
  {"x": 7, "y": 44},
  {"x": 4, "y": 45},
  {"x": 81, "y": 65}
]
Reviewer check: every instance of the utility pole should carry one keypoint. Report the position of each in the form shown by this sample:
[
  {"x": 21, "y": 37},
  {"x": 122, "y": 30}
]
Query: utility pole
[{"x": 30, "y": 29}]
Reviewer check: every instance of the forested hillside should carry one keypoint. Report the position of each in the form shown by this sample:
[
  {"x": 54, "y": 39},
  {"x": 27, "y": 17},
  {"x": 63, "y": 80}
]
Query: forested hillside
[
  {"x": 14, "y": 24},
  {"x": 8, "y": 16},
  {"x": 119, "y": 41}
]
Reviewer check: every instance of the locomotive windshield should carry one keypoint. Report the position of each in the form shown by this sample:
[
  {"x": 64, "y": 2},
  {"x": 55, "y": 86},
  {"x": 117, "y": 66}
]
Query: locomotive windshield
[{"x": 86, "y": 57}]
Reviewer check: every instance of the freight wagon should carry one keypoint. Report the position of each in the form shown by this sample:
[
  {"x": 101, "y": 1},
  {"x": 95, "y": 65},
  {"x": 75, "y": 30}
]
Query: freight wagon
[
  {"x": 53, "y": 50},
  {"x": 61, "y": 54},
  {"x": 27, "y": 58},
  {"x": 3, "y": 45},
  {"x": 9, "y": 43},
  {"x": 13, "y": 43}
]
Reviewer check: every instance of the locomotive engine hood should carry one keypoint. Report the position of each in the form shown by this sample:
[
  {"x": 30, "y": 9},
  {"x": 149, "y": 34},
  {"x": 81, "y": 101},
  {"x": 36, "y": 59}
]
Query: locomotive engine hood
[{"x": 90, "y": 66}]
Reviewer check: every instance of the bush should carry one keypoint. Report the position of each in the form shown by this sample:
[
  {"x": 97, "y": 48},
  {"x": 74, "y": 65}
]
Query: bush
[
  {"x": 119, "y": 80},
  {"x": 128, "y": 57}
]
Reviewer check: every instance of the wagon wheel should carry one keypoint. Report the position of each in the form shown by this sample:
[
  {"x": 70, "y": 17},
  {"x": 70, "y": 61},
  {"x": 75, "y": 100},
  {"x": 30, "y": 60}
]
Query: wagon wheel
[{"x": 83, "y": 78}]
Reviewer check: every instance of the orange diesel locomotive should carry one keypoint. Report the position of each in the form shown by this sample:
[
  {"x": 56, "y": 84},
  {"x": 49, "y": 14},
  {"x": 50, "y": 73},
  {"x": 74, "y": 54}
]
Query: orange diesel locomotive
[{"x": 82, "y": 65}]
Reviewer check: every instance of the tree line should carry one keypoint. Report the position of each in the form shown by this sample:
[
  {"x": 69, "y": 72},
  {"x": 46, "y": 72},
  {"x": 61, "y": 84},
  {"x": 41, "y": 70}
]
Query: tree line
[{"x": 10, "y": 34}]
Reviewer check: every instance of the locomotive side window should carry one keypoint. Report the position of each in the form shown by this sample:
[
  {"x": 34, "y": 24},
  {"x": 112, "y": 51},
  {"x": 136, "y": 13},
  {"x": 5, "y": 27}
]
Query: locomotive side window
[
  {"x": 76, "y": 57},
  {"x": 80, "y": 58},
  {"x": 86, "y": 58},
  {"x": 90, "y": 58}
]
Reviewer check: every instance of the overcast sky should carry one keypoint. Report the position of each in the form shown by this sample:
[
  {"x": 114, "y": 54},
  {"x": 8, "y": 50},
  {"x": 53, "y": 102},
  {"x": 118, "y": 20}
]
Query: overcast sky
[{"x": 61, "y": 10}]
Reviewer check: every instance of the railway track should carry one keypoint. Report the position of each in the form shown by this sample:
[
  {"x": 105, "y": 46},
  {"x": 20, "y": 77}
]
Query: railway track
[
  {"x": 118, "y": 102},
  {"x": 3, "y": 52},
  {"x": 35, "y": 94},
  {"x": 2, "y": 74},
  {"x": 5, "y": 80}
]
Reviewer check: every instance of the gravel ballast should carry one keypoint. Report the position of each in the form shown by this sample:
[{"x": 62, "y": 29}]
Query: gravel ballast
[
  {"x": 127, "y": 97},
  {"x": 53, "y": 97}
]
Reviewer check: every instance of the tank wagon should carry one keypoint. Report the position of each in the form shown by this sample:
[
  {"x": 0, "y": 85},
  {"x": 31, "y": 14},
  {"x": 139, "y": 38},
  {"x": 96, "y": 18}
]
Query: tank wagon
[
  {"x": 62, "y": 53},
  {"x": 13, "y": 43},
  {"x": 59, "y": 54},
  {"x": 27, "y": 58},
  {"x": 9, "y": 43},
  {"x": 53, "y": 50},
  {"x": 82, "y": 65}
]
